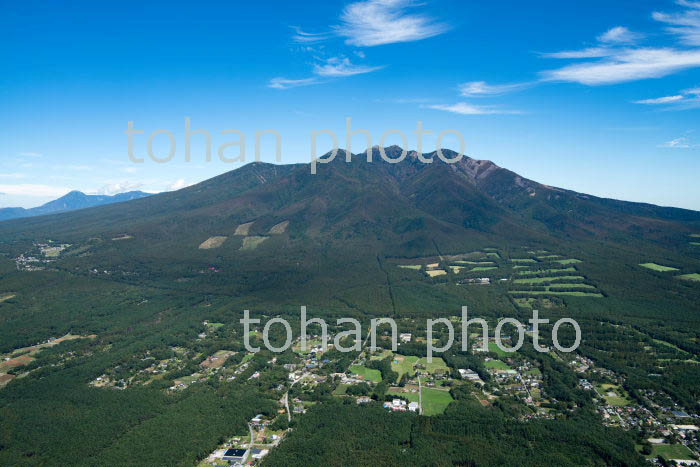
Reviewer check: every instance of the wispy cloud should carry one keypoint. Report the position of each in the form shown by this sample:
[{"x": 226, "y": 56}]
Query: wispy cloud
[
  {"x": 660, "y": 100},
  {"x": 12, "y": 175},
  {"x": 337, "y": 67},
  {"x": 627, "y": 65},
  {"x": 378, "y": 22},
  {"x": 309, "y": 37},
  {"x": 678, "y": 143},
  {"x": 591, "y": 52},
  {"x": 284, "y": 83},
  {"x": 482, "y": 88},
  {"x": 619, "y": 35},
  {"x": 685, "y": 24},
  {"x": 465, "y": 108},
  {"x": 179, "y": 184}
]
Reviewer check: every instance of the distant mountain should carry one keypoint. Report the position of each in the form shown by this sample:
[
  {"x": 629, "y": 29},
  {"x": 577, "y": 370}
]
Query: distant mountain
[{"x": 70, "y": 202}]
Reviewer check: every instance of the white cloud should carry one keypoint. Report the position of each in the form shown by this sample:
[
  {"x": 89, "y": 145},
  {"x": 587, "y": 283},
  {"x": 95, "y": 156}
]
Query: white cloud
[
  {"x": 660, "y": 100},
  {"x": 378, "y": 22},
  {"x": 619, "y": 35},
  {"x": 178, "y": 185},
  {"x": 30, "y": 154},
  {"x": 29, "y": 189},
  {"x": 12, "y": 175},
  {"x": 482, "y": 88},
  {"x": 337, "y": 67},
  {"x": 627, "y": 65},
  {"x": 464, "y": 108},
  {"x": 678, "y": 143},
  {"x": 592, "y": 52},
  {"x": 118, "y": 187},
  {"x": 284, "y": 83}
]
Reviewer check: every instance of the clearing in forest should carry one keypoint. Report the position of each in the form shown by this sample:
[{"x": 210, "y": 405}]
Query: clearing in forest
[
  {"x": 251, "y": 243},
  {"x": 243, "y": 229},
  {"x": 658, "y": 267},
  {"x": 212, "y": 242}
]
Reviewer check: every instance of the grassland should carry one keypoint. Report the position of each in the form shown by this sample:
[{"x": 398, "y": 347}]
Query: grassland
[
  {"x": 497, "y": 350},
  {"x": 6, "y": 297},
  {"x": 279, "y": 228},
  {"x": 476, "y": 263},
  {"x": 539, "y": 280},
  {"x": 404, "y": 364},
  {"x": 497, "y": 365},
  {"x": 243, "y": 229},
  {"x": 483, "y": 268},
  {"x": 438, "y": 365},
  {"x": 549, "y": 292},
  {"x": 690, "y": 277},
  {"x": 658, "y": 267},
  {"x": 212, "y": 242},
  {"x": 568, "y": 261},
  {"x": 671, "y": 451},
  {"x": 614, "y": 395},
  {"x": 367, "y": 374},
  {"x": 251, "y": 243},
  {"x": 546, "y": 271},
  {"x": 435, "y": 401},
  {"x": 523, "y": 260},
  {"x": 415, "y": 267}
]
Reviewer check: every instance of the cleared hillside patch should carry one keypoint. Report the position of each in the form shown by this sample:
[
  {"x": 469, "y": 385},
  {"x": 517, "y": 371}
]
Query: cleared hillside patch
[
  {"x": 212, "y": 242},
  {"x": 251, "y": 243},
  {"x": 658, "y": 267},
  {"x": 278, "y": 229},
  {"x": 436, "y": 272},
  {"x": 243, "y": 229},
  {"x": 690, "y": 277},
  {"x": 568, "y": 261},
  {"x": 539, "y": 280}
]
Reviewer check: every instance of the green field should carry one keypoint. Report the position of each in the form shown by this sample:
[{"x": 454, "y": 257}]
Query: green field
[
  {"x": 549, "y": 292},
  {"x": 523, "y": 260},
  {"x": 411, "y": 266},
  {"x": 695, "y": 235},
  {"x": 435, "y": 401},
  {"x": 539, "y": 280},
  {"x": 341, "y": 390},
  {"x": 368, "y": 374},
  {"x": 671, "y": 451},
  {"x": 547, "y": 271},
  {"x": 437, "y": 366},
  {"x": 658, "y": 267},
  {"x": 497, "y": 364},
  {"x": 402, "y": 364},
  {"x": 497, "y": 350},
  {"x": 695, "y": 243},
  {"x": 617, "y": 399},
  {"x": 568, "y": 261},
  {"x": 476, "y": 263},
  {"x": 690, "y": 277},
  {"x": 572, "y": 286},
  {"x": 483, "y": 268}
]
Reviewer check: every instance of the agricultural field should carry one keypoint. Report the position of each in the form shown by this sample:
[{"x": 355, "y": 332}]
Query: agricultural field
[
  {"x": 539, "y": 280},
  {"x": 523, "y": 260},
  {"x": 243, "y": 229},
  {"x": 690, "y": 277},
  {"x": 549, "y": 292},
  {"x": 415, "y": 267},
  {"x": 436, "y": 272},
  {"x": 367, "y": 374},
  {"x": 658, "y": 267},
  {"x": 546, "y": 271},
  {"x": 483, "y": 268}
]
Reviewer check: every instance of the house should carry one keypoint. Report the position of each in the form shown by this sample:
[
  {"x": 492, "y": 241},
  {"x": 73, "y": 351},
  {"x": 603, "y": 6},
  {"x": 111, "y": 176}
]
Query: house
[
  {"x": 259, "y": 453},
  {"x": 405, "y": 337},
  {"x": 235, "y": 455},
  {"x": 413, "y": 406},
  {"x": 363, "y": 400}
]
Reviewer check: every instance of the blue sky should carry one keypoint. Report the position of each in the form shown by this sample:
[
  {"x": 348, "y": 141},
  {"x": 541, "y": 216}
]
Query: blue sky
[{"x": 600, "y": 97}]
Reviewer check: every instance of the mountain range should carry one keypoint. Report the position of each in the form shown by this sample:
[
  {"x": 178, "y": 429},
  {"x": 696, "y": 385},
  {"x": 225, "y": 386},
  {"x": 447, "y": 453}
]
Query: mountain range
[{"x": 70, "y": 202}]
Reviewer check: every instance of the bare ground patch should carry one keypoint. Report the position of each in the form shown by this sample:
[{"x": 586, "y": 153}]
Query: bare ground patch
[{"x": 212, "y": 242}]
